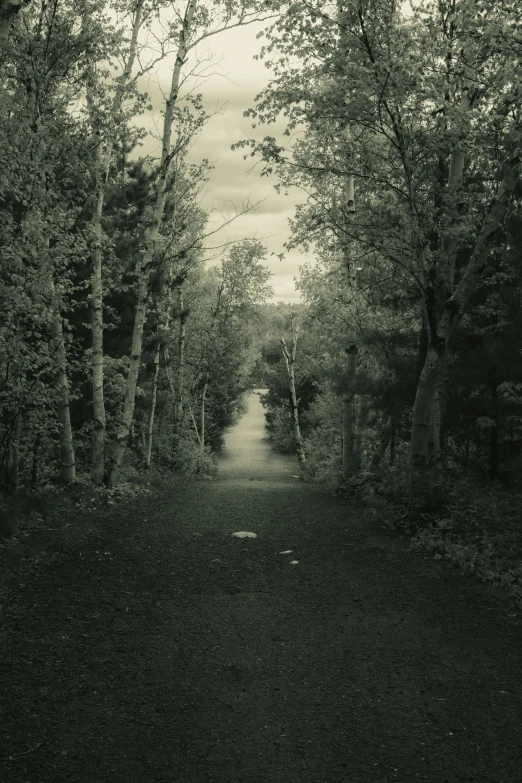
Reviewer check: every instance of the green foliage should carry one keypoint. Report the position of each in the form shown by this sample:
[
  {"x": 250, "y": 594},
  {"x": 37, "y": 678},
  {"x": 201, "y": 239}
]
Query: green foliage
[
  {"x": 190, "y": 459},
  {"x": 480, "y": 534},
  {"x": 279, "y": 428},
  {"x": 64, "y": 134},
  {"x": 323, "y": 442}
]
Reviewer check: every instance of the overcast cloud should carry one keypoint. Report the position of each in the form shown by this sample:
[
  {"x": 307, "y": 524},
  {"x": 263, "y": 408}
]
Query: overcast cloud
[{"x": 236, "y": 78}]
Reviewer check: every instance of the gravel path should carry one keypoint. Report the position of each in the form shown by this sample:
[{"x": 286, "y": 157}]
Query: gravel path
[{"x": 163, "y": 648}]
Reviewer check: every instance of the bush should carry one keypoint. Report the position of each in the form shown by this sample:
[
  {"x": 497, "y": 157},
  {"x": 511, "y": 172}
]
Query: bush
[
  {"x": 279, "y": 429},
  {"x": 479, "y": 531},
  {"x": 189, "y": 459}
]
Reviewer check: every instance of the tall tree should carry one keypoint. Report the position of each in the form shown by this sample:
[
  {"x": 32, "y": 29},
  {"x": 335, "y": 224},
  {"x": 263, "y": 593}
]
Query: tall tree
[
  {"x": 289, "y": 358},
  {"x": 194, "y": 28},
  {"x": 106, "y": 125},
  {"x": 424, "y": 95}
]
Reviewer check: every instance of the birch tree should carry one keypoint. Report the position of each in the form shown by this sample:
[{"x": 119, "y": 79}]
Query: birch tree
[
  {"x": 195, "y": 25},
  {"x": 105, "y": 131},
  {"x": 289, "y": 359}
]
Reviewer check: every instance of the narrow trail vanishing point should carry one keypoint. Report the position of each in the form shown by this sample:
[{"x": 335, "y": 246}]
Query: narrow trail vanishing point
[{"x": 164, "y": 649}]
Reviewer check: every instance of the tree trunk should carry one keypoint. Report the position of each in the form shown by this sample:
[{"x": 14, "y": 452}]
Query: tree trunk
[
  {"x": 195, "y": 425},
  {"x": 101, "y": 167},
  {"x": 34, "y": 464},
  {"x": 289, "y": 358},
  {"x": 61, "y": 384},
  {"x": 493, "y": 430},
  {"x": 178, "y": 410},
  {"x": 150, "y": 427},
  {"x": 385, "y": 438},
  {"x": 8, "y": 10},
  {"x": 393, "y": 438},
  {"x": 440, "y": 335},
  {"x": 151, "y": 237},
  {"x": 14, "y": 473},
  {"x": 436, "y": 451},
  {"x": 97, "y": 369},
  {"x": 361, "y": 419},
  {"x": 424, "y": 342},
  {"x": 98, "y": 401},
  {"x": 422, "y": 433},
  {"x": 349, "y": 458},
  {"x": 202, "y": 424}
]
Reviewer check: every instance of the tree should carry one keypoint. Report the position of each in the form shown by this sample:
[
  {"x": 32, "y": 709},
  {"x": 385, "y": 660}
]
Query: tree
[
  {"x": 9, "y": 9},
  {"x": 106, "y": 125},
  {"x": 289, "y": 357},
  {"x": 405, "y": 88},
  {"x": 194, "y": 28}
]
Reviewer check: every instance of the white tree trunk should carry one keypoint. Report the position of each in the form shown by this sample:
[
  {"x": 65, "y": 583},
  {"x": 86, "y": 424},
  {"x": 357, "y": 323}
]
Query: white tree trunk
[
  {"x": 361, "y": 418},
  {"x": 151, "y": 237},
  {"x": 14, "y": 472},
  {"x": 202, "y": 421},
  {"x": 97, "y": 369},
  {"x": 67, "y": 458},
  {"x": 350, "y": 457},
  {"x": 289, "y": 357},
  {"x": 195, "y": 425},
  {"x": 349, "y": 453},
  {"x": 150, "y": 427},
  {"x": 181, "y": 367}
]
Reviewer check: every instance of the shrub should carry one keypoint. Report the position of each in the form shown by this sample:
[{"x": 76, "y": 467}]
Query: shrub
[{"x": 189, "y": 459}]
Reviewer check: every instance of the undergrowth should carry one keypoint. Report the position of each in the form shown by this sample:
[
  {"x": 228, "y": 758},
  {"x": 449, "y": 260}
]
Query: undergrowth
[
  {"x": 46, "y": 511},
  {"x": 478, "y": 531}
]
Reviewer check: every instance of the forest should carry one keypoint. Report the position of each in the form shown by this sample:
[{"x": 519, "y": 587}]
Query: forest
[{"x": 129, "y": 333}]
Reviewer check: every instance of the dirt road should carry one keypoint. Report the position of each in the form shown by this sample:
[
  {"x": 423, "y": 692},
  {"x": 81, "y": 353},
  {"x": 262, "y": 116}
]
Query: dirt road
[{"x": 164, "y": 649}]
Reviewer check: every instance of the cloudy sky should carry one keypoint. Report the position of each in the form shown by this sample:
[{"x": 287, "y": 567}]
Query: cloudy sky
[{"x": 235, "y": 79}]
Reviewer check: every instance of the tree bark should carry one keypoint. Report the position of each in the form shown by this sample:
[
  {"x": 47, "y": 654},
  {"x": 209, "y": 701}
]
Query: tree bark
[
  {"x": 101, "y": 168},
  {"x": 151, "y": 237},
  {"x": 8, "y": 11},
  {"x": 194, "y": 424},
  {"x": 421, "y": 433},
  {"x": 385, "y": 438},
  {"x": 424, "y": 342},
  {"x": 441, "y": 331},
  {"x": 34, "y": 463},
  {"x": 393, "y": 438},
  {"x": 493, "y": 430},
  {"x": 97, "y": 327},
  {"x": 202, "y": 423},
  {"x": 436, "y": 453},
  {"x": 361, "y": 417},
  {"x": 14, "y": 473},
  {"x": 178, "y": 410},
  {"x": 150, "y": 426},
  {"x": 289, "y": 357},
  {"x": 61, "y": 383},
  {"x": 349, "y": 459}
]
